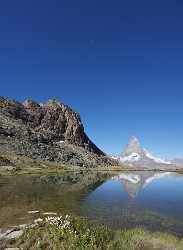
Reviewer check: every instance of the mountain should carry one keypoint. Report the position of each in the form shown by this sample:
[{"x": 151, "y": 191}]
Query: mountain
[
  {"x": 178, "y": 162},
  {"x": 134, "y": 183},
  {"x": 50, "y": 131},
  {"x": 136, "y": 156}
]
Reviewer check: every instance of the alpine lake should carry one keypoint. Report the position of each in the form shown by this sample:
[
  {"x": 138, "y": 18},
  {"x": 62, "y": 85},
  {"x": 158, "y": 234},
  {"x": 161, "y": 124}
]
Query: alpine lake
[{"x": 149, "y": 200}]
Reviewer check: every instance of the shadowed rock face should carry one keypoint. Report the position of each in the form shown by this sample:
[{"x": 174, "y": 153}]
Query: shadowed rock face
[{"x": 51, "y": 131}]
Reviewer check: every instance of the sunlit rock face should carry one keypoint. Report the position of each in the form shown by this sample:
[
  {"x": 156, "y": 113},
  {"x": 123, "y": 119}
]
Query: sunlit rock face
[
  {"x": 51, "y": 131},
  {"x": 134, "y": 155},
  {"x": 134, "y": 183}
]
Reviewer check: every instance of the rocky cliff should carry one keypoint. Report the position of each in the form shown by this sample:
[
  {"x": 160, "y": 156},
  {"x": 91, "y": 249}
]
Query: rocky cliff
[{"x": 51, "y": 131}]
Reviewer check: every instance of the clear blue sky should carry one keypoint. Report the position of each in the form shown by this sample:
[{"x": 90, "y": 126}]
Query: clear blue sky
[{"x": 119, "y": 63}]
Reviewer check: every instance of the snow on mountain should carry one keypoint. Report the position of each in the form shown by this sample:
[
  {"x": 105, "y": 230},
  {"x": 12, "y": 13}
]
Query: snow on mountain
[
  {"x": 135, "y": 156},
  {"x": 158, "y": 160},
  {"x": 130, "y": 158}
]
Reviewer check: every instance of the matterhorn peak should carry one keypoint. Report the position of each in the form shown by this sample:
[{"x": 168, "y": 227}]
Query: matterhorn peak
[
  {"x": 133, "y": 146},
  {"x": 134, "y": 155}
]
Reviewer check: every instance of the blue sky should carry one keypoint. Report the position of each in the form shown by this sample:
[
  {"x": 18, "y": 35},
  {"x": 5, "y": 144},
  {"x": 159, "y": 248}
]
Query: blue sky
[{"x": 118, "y": 63}]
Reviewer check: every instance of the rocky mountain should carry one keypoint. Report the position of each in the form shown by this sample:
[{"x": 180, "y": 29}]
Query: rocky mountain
[
  {"x": 136, "y": 156},
  {"x": 50, "y": 131}
]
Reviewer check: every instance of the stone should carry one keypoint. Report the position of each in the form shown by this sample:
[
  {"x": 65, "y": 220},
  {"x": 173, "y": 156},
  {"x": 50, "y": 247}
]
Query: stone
[
  {"x": 14, "y": 234},
  {"x": 7, "y": 168},
  {"x": 49, "y": 213},
  {"x": 11, "y": 233},
  {"x": 12, "y": 248},
  {"x": 38, "y": 220},
  {"x": 33, "y": 212}
]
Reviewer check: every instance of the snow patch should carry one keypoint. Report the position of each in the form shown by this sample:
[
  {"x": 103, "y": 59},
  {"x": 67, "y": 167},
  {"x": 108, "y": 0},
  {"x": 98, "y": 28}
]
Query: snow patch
[
  {"x": 130, "y": 158},
  {"x": 158, "y": 160}
]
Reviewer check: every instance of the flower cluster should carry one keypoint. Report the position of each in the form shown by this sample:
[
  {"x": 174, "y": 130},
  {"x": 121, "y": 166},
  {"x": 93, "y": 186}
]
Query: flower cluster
[{"x": 61, "y": 222}]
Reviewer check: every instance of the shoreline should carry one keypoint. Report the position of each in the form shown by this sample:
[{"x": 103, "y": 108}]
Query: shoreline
[
  {"x": 62, "y": 170},
  {"x": 54, "y": 231}
]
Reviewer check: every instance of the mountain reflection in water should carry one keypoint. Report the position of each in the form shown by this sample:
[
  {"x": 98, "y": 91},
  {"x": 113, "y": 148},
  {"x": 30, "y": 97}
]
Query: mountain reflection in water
[
  {"x": 133, "y": 183},
  {"x": 153, "y": 200}
]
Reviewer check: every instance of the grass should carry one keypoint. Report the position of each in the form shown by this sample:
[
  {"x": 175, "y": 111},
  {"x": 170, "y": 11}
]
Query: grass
[
  {"x": 47, "y": 168},
  {"x": 26, "y": 165},
  {"x": 138, "y": 239},
  {"x": 78, "y": 234},
  {"x": 71, "y": 233}
]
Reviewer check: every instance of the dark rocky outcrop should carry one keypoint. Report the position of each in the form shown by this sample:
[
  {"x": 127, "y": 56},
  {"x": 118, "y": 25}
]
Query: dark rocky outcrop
[{"x": 51, "y": 131}]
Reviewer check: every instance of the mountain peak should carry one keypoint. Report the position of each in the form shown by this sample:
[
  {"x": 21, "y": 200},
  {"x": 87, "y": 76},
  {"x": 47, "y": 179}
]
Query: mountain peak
[
  {"x": 136, "y": 156},
  {"x": 133, "y": 146}
]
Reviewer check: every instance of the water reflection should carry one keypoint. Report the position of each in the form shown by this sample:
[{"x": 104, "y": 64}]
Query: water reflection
[
  {"x": 56, "y": 193},
  {"x": 134, "y": 182},
  {"x": 153, "y": 200}
]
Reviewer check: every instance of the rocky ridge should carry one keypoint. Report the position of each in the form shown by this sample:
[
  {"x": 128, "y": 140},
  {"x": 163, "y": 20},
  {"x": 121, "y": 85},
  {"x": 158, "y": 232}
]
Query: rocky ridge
[{"x": 51, "y": 131}]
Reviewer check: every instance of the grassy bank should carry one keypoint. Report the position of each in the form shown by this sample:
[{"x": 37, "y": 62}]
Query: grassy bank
[
  {"x": 63, "y": 169},
  {"x": 26, "y": 165},
  {"x": 68, "y": 233}
]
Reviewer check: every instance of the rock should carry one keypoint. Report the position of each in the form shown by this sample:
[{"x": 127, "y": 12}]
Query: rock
[
  {"x": 7, "y": 168},
  {"x": 11, "y": 233},
  {"x": 38, "y": 220},
  {"x": 12, "y": 248},
  {"x": 22, "y": 226},
  {"x": 49, "y": 213},
  {"x": 2, "y": 235},
  {"x": 51, "y": 132},
  {"x": 14, "y": 234},
  {"x": 29, "y": 104},
  {"x": 33, "y": 212}
]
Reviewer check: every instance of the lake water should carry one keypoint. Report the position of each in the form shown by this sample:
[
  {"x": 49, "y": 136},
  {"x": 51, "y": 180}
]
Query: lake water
[{"x": 150, "y": 200}]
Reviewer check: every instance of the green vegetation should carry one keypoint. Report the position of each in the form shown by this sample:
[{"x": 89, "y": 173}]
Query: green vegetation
[
  {"x": 138, "y": 239},
  {"x": 27, "y": 165},
  {"x": 67, "y": 233},
  {"x": 64, "y": 233}
]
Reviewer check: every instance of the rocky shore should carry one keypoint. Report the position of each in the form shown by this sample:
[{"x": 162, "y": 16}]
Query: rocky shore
[{"x": 72, "y": 233}]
